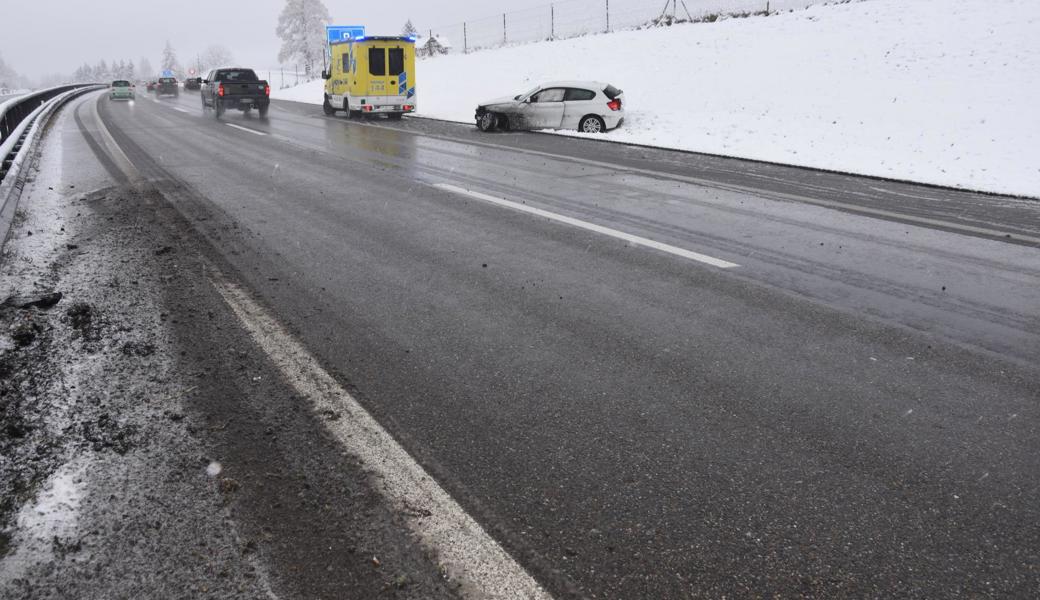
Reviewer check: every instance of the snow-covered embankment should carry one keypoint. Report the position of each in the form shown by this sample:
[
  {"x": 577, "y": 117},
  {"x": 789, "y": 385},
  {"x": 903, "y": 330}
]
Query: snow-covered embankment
[{"x": 935, "y": 91}]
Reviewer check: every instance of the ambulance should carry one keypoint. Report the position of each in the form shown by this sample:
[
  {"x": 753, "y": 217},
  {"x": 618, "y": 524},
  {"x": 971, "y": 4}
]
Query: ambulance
[{"x": 371, "y": 75}]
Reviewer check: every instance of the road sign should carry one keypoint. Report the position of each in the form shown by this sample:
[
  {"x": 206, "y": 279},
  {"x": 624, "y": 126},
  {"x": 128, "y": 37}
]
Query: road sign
[
  {"x": 342, "y": 33},
  {"x": 167, "y": 73}
]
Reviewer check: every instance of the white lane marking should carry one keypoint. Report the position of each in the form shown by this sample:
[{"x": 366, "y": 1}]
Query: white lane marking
[
  {"x": 183, "y": 110},
  {"x": 114, "y": 150},
  {"x": 621, "y": 235},
  {"x": 467, "y": 553},
  {"x": 253, "y": 131}
]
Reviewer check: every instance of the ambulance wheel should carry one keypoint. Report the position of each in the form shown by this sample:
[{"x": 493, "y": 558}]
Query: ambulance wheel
[
  {"x": 327, "y": 106},
  {"x": 395, "y": 116},
  {"x": 354, "y": 114},
  {"x": 487, "y": 121}
]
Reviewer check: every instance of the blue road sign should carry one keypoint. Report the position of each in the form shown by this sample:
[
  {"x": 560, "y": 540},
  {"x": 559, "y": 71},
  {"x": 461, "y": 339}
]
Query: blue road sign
[
  {"x": 342, "y": 33},
  {"x": 167, "y": 73}
]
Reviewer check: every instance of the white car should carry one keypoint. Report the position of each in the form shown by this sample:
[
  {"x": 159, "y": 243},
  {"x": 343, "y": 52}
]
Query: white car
[{"x": 587, "y": 106}]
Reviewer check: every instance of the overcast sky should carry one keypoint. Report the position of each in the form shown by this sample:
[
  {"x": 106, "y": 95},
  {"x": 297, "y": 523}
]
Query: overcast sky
[{"x": 56, "y": 36}]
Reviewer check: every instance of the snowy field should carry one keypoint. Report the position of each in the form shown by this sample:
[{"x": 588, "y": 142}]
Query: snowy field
[{"x": 935, "y": 91}]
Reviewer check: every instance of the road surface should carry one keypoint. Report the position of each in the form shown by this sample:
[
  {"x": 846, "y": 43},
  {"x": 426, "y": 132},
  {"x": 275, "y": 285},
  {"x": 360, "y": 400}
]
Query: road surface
[{"x": 647, "y": 374}]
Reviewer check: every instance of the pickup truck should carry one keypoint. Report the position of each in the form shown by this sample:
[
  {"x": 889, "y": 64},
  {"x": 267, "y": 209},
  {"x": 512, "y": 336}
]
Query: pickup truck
[{"x": 235, "y": 89}]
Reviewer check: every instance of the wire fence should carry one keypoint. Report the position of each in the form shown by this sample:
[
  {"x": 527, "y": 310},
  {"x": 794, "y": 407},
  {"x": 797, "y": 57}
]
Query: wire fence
[{"x": 573, "y": 18}]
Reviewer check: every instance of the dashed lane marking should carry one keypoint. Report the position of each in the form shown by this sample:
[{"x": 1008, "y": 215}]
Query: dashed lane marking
[{"x": 621, "y": 235}]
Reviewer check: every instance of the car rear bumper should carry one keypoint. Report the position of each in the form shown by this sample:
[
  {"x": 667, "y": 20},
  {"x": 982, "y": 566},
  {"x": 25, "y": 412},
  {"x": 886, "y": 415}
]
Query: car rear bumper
[{"x": 231, "y": 102}]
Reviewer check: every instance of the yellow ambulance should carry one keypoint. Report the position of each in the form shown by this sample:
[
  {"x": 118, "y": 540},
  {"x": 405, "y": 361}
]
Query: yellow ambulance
[{"x": 371, "y": 75}]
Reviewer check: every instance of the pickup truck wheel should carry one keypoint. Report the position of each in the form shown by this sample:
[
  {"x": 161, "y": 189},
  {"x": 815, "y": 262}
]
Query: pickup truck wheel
[
  {"x": 218, "y": 108},
  {"x": 263, "y": 111},
  {"x": 327, "y": 107},
  {"x": 204, "y": 106}
]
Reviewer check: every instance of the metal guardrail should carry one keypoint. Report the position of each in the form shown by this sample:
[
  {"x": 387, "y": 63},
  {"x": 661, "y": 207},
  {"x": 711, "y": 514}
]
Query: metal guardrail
[{"x": 17, "y": 113}]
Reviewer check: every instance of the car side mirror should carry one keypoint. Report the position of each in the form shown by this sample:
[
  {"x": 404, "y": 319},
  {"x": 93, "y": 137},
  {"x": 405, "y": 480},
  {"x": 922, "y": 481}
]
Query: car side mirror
[
  {"x": 326, "y": 75},
  {"x": 204, "y": 80}
]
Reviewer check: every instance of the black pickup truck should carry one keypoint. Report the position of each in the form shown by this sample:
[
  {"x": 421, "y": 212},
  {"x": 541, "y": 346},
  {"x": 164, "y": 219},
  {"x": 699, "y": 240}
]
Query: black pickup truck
[{"x": 235, "y": 89}]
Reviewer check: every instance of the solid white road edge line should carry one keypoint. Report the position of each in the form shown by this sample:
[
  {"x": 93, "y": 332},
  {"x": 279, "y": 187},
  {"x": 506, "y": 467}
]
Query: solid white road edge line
[
  {"x": 253, "y": 131},
  {"x": 466, "y": 552},
  {"x": 621, "y": 235},
  {"x": 114, "y": 150}
]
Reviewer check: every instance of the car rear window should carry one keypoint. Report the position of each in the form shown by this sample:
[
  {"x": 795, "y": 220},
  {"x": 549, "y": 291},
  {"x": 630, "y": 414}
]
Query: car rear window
[
  {"x": 612, "y": 92},
  {"x": 120, "y": 83},
  {"x": 577, "y": 95},
  {"x": 236, "y": 75},
  {"x": 377, "y": 61},
  {"x": 167, "y": 80}
]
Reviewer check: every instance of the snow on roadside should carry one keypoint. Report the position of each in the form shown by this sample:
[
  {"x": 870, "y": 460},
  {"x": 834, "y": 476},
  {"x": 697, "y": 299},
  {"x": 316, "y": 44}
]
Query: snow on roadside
[{"x": 935, "y": 91}]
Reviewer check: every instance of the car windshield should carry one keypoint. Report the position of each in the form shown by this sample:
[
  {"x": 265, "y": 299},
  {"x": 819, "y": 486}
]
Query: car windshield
[
  {"x": 528, "y": 93},
  {"x": 237, "y": 75},
  {"x": 120, "y": 83}
]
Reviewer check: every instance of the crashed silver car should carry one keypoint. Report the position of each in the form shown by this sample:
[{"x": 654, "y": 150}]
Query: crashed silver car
[{"x": 587, "y": 106}]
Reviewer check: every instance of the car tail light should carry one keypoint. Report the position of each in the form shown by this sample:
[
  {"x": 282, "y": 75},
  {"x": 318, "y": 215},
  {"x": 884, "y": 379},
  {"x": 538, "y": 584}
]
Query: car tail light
[
  {"x": 614, "y": 104},
  {"x": 220, "y": 90},
  {"x": 267, "y": 90}
]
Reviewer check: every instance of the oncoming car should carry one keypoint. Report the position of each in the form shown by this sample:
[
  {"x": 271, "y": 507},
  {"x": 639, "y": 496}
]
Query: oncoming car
[
  {"x": 587, "y": 106},
  {"x": 121, "y": 89}
]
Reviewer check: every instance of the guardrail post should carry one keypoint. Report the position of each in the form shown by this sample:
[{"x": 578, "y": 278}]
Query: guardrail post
[
  {"x": 465, "y": 42},
  {"x": 608, "y": 16},
  {"x": 552, "y": 22},
  {"x": 505, "y": 39}
]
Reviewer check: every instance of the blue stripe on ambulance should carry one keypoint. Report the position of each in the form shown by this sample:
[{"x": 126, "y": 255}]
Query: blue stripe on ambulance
[{"x": 403, "y": 83}]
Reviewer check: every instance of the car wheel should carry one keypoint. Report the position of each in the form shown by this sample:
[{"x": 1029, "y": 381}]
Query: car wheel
[
  {"x": 592, "y": 124},
  {"x": 327, "y": 107},
  {"x": 487, "y": 121}
]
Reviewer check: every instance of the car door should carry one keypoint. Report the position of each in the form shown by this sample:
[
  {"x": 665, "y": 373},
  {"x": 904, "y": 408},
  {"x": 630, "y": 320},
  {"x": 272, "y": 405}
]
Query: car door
[
  {"x": 545, "y": 109},
  {"x": 378, "y": 73},
  {"x": 578, "y": 102}
]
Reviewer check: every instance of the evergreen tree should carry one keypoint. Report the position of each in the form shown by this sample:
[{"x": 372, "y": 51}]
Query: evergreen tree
[
  {"x": 409, "y": 30},
  {"x": 301, "y": 26},
  {"x": 144, "y": 68},
  {"x": 169, "y": 59}
]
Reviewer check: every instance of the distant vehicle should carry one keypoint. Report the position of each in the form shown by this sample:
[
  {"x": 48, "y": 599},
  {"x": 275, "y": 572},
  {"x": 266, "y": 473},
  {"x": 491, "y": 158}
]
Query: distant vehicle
[
  {"x": 371, "y": 75},
  {"x": 121, "y": 89},
  {"x": 193, "y": 83},
  {"x": 586, "y": 106},
  {"x": 167, "y": 86},
  {"x": 235, "y": 89},
  {"x": 151, "y": 86}
]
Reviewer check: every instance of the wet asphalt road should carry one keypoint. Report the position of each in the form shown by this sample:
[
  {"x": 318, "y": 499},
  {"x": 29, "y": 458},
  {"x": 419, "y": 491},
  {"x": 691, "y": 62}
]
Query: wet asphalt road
[{"x": 853, "y": 410}]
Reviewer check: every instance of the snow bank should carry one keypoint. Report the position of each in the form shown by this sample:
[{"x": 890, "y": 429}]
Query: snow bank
[{"x": 936, "y": 91}]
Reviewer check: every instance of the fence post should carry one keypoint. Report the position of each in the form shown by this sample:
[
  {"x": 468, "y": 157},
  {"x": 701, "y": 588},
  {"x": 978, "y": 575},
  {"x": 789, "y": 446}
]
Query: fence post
[
  {"x": 608, "y": 16},
  {"x": 465, "y": 42},
  {"x": 505, "y": 40},
  {"x": 767, "y": 7}
]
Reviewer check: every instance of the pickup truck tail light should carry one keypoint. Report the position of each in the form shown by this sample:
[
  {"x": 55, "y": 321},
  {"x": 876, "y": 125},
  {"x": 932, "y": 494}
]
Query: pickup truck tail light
[
  {"x": 267, "y": 90},
  {"x": 220, "y": 90},
  {"x": 614, "y": 104}
]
